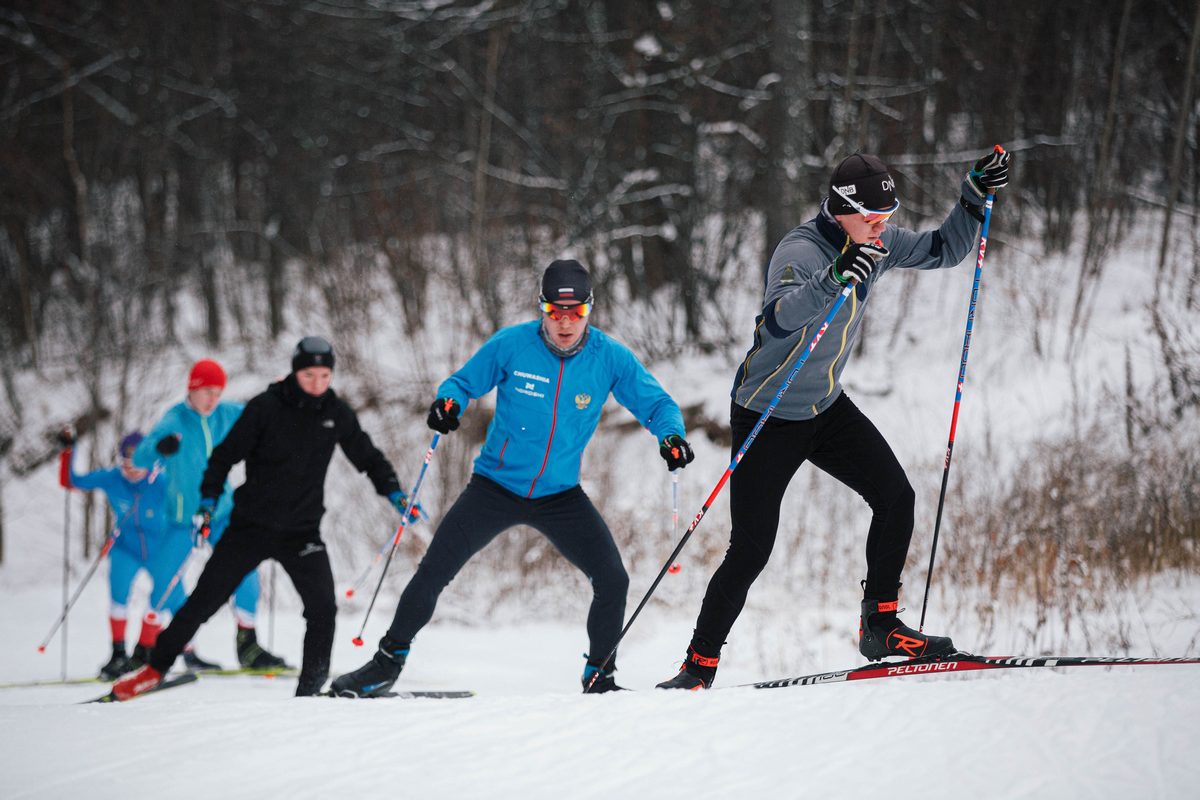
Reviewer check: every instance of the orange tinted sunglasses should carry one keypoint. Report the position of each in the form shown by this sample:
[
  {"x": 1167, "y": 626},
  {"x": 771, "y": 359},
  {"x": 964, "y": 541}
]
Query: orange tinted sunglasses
[{"x": 557, "y": 311}]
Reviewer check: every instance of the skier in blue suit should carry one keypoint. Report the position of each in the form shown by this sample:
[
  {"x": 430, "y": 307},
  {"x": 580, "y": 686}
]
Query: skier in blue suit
[
  {"x": 184, "y": 439},
  {"x": 138, "y": 500},
  {"x": 552, "y": 377}
]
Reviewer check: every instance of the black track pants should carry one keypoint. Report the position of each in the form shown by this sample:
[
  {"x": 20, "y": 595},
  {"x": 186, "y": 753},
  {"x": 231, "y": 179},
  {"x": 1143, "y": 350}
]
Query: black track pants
[
  {"x": 243, "y": 547},
  {"x": 841, "y": 442},
  {"x": 485, "y": 509}
]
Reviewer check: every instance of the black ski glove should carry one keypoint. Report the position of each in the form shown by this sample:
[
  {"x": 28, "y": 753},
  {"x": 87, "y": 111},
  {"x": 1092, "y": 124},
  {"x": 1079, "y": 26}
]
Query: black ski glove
[
  {"x": 676, "y": 451},
  {"x": 857, "y": 261},
  {"x": 443, "y": 415},
  {"x": 66, "y": 437},
  {"x": 168, "y": 445},
  {"x": 990, "y": 172}
]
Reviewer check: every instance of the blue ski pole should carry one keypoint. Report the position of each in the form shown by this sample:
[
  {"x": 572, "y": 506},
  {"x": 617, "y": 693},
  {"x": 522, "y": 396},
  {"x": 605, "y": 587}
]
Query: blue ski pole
[
  {"x": 962, "y": 377},
  {"x": 758, "y": 426}
]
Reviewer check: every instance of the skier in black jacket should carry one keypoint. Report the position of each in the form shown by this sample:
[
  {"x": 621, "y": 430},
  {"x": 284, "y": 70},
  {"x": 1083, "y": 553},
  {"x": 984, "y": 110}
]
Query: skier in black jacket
[{"x": 286, "y": 436}]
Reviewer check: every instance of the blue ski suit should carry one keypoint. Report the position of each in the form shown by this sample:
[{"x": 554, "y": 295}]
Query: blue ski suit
[
  {"x": 145, "y": 538},
  {"x": 184, "y": 469}
]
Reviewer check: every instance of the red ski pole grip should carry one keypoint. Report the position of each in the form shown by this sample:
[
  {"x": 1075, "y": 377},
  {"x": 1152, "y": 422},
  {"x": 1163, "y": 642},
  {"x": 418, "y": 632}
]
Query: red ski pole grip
[{"x": 64, "y": 468}]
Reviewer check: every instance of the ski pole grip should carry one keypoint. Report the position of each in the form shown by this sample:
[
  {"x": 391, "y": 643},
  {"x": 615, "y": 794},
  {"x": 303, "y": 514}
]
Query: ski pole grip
[{"x": 64, "y": 468}]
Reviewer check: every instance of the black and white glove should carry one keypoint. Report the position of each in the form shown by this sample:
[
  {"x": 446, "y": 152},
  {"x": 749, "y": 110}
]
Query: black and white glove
[
  {"x": 857, "y": 261},
  {"x": 990, "y": 172},
  {"x": 676, "y": 451},
  {"x": 168, "y": 445},
  {"x": 443, "y": 415},
  {"x": 202, "y": 521}
]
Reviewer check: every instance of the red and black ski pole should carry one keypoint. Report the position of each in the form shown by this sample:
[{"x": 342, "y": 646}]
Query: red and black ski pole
[
  {"x": 962, "y": 377},
  {"x": 412, "y": 503},
  {"x": 67, "y": 439},
  {"x": 69, "y": 604},
  {"x": 200, "y": 536},
  {"x": 758, "y": 426}
]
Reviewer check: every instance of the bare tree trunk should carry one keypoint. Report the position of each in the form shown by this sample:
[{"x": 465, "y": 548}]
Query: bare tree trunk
[
  {"x": 1100, "y": 209},
  {"x": 1185, "y": 112},
  {"x": 479, "y": 248},
  {"x": 788, "y": 122}
]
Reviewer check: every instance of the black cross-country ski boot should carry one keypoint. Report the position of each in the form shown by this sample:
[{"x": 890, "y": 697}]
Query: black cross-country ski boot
[
  {"x": 195, "y": 663},
  {"x": 604, "y": 681},
  {"x": 140, "y": 657},
  {"x": 251, "y": 655},
  {"x": 697, "y": 672},
  {"x": 117, "y": 665},
  {"x": 882, "y": 634},
  {"x": 375, "y": 678}
]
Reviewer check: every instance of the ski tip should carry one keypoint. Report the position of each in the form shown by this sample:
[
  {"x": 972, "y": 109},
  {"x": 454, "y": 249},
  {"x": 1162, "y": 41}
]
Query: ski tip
[{"x": 358, "y": 642}]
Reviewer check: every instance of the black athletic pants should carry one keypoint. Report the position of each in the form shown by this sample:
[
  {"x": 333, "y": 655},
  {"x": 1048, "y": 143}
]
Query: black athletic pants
[
  {"x": 485, "y": 509},
  {"x": 243, "y": 547},
  {"x": 842, "y": 442}
]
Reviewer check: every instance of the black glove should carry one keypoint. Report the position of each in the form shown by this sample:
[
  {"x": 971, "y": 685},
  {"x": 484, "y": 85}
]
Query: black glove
[
  {"x": 676, "y": 451},
  {"x": 202, "y": 520},
  {"x": 66, "y": 437},
  {"x": 990, "y": 172},
  {"x": 168, "y": 445},
  {"x": 857, "y": 261},
  {"x": 443, "y": 415}
]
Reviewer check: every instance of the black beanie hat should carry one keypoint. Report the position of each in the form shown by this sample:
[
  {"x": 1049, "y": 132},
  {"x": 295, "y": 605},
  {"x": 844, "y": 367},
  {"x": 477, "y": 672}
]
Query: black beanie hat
[
  {"x": 566, "y": 280},
  {"x": 312, "y": 351},
  {"x": 867, "y": 182}
]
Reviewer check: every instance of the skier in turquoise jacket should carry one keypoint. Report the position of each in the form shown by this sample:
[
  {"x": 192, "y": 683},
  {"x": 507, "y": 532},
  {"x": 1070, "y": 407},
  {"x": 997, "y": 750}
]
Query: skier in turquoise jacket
[
  {"x": 552, "y": 377},
  {"x": 184, "y": 439}
]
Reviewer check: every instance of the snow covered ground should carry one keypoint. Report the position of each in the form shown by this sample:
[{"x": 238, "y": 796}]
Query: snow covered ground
[{"x": 1086, "y": 732}]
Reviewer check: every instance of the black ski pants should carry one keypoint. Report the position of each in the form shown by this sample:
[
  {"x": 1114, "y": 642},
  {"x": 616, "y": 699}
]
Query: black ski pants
[
  {"x": 485, "y": 509},
  {"x": 842, "y": 442},
  {"x": 243, "y": 547}
]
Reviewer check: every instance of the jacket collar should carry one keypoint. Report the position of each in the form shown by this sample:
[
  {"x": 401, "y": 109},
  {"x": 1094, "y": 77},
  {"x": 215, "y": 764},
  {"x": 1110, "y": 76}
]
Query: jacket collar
[
  {"x": 292, "y": 395},
  {"x": 829, "y": 228}
]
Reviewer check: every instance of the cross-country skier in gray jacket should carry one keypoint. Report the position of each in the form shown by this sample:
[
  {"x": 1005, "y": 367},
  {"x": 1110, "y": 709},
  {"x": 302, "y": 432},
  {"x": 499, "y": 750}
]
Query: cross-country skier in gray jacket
[{"x": 815, "y": 421}]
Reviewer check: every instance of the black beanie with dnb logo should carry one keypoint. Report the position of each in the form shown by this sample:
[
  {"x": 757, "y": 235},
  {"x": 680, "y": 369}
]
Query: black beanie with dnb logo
[{"x": 865, "y": 180}]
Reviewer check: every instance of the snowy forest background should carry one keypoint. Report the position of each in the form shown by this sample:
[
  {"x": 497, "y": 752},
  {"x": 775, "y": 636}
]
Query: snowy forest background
[{"x": 190, "y": 179}]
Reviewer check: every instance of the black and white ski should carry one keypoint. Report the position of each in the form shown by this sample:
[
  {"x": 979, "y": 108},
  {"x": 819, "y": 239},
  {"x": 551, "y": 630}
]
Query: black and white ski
[
  {"x": 433, "y": 694},
  {"x": 167, "y": 683},
  {"x": 958, "y": 663}
]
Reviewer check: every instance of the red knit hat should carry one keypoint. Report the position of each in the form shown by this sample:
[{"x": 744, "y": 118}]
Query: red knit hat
[{"x": 206, "y": 372}]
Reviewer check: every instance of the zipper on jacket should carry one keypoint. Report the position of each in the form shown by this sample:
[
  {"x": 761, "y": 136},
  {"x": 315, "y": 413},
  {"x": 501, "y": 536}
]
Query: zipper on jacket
[{"x": 562, "y": 363}]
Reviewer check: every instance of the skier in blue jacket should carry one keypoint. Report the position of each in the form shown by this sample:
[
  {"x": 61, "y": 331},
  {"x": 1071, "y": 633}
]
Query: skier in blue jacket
[
  {"x": 184, "y": 439},
  {"x": 138, "y": 500},
  {"x": 552, "y": 377}
]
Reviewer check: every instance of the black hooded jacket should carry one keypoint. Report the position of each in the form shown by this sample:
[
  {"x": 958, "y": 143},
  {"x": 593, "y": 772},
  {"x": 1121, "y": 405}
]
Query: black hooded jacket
[{"x": 286, "y": 438}]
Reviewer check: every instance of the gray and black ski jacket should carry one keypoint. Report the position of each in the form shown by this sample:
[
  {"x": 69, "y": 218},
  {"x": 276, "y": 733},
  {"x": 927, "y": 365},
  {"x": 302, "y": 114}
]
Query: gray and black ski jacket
[{"x": 800, "y": 291}]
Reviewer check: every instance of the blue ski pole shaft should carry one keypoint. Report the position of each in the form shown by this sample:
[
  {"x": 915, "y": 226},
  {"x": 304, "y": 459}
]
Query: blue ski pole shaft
[
  {"x": 962, "y": 377},
  {"x": 758, "y": 426},
  {"x": 412, "y": 503}
]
